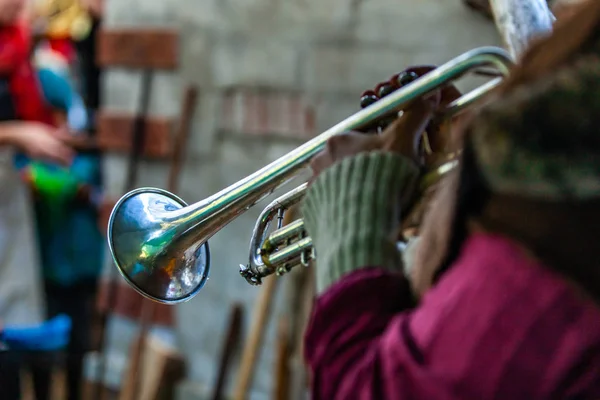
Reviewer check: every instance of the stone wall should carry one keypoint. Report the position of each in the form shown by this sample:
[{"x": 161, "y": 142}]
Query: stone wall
[{"x": 271, "y": 74}]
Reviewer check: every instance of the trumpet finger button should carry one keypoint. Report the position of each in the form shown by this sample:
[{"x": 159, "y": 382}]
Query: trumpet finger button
[
  {"x": 407, "y": 77},
  {"x": 386, "y": 89},
  {"x": 369, "y": 97}
]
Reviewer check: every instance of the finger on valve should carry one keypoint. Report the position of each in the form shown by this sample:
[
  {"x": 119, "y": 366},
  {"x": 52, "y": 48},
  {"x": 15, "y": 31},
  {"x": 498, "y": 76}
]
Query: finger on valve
[
  {"x": 384, "y": 89},
  {"x": 405, "y": 134}
]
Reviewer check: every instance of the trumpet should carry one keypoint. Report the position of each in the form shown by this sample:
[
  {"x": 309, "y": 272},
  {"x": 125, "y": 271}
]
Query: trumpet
[{"x": 160, "y": 244}]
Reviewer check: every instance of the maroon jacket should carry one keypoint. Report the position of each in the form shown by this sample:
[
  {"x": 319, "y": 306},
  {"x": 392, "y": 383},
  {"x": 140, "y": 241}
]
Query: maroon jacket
[{"x": 498, "y": 325}]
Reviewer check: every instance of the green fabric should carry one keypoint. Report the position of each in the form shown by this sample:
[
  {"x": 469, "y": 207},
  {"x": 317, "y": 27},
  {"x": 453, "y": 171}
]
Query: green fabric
[{"x": 352, "y": 211}]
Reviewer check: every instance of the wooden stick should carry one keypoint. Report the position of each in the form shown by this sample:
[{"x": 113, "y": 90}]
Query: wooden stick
[
  {"x": 520, "y": 21},
  {"x": 299, "y": 380},
  {"x": 181, "y": 139},
  {"x": 291, "y": 327},
  {"x": 162, "y": 368},
  {"x": 231, "y": 342},
  {"x": 137, "y": 142},
  {"x": 260, "y": 319},
  {"x": 131, "y": 388},
  {"x": 282, "y": 367},
  {"x": 286, "y": 370}
]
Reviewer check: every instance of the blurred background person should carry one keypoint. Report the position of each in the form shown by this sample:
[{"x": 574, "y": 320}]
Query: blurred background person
[
  {"x": 70, "y": 243},
  {"x": 23, "y": 127},
  {"x": 66, "y": 201}
]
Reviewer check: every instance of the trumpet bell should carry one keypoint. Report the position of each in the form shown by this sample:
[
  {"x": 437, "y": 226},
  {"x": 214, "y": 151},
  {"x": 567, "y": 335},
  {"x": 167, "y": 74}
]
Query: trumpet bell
[{"x": 140, "y": 231}]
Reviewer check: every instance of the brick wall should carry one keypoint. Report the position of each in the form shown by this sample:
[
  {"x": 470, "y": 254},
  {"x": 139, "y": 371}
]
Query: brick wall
[
  {"x": 271, "y": 73},
  {"x": 269, "y": 113}
]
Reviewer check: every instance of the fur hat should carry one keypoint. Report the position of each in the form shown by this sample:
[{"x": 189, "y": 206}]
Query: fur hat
[{"x": 542, "y": 140}]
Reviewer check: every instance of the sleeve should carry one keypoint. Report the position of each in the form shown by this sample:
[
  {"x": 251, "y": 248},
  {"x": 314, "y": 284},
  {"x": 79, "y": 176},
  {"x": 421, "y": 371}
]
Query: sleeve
[
  {"x": 352, "y": 211},
  {"x": 480, "y": 333},
  {"x": 14, "y": 47},
  {"x": 346, "y": 346}
]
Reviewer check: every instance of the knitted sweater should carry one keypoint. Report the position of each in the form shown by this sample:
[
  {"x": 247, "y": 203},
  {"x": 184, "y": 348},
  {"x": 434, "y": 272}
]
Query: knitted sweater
[{"x": 352, "y": 212}]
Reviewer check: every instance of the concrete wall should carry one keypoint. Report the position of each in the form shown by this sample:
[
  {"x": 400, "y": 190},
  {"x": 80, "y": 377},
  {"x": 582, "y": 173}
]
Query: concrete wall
[{"x": 271, "y": 73}]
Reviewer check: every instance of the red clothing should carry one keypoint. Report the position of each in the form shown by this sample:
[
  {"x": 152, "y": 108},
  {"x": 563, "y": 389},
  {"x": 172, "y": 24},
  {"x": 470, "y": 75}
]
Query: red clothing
[
  {"x": 63, "y": 46},
  {"x": 498, "y": 325},
  {"x": 15, "y": 64}
]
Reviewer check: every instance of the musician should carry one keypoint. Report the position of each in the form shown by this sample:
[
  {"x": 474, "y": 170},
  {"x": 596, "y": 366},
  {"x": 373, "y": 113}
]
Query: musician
[{"x": 507, "y": 263}]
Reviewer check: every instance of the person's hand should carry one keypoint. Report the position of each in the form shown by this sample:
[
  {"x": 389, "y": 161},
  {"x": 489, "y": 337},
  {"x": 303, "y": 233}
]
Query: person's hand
[
  {"x": 401, "y": 137},
  {"x": 432, "y": 245},
  {"x": 436, "y": 219},
  {"x": 42, "y": 142}
]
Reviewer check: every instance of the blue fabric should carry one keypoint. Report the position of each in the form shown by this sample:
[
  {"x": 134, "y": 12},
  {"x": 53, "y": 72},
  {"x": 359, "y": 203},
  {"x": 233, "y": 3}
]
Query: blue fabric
[
  {"x": 50, "y": 335},
  {"x": 70, "y": 241},
  {"x": 60, "y": 94},
  {"x": 56, "y": 88},
  {"x": 77, "y": 115}
]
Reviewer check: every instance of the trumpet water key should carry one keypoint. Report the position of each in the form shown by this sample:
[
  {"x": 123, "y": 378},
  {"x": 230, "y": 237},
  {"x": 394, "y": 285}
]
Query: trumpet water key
[{"x": 160, "y": 244}]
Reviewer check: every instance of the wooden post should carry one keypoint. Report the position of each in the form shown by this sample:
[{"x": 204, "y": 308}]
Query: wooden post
[
  {"x": 282, "y": 359},
  {"x": 147, "y": 49},
  {"x": 229, "y": 346},
  {"x": 260, "y": 320}
]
